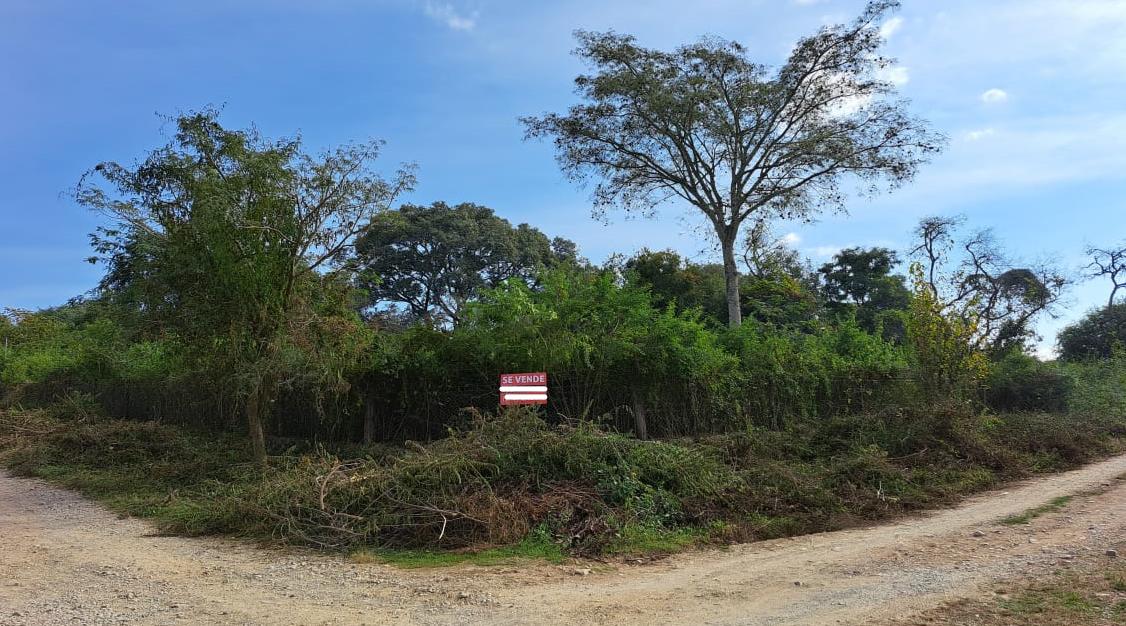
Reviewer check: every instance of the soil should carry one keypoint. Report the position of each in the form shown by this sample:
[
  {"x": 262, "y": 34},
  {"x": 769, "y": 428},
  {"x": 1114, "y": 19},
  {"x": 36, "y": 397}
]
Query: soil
[{"x": 65, "y": 560}]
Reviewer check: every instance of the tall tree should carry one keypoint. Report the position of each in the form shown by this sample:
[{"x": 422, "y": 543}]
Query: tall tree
[
  {"x": 732, "y": 138},
  {"x": 229, "y": 240},
  {"x": 861, "y": 280},
  {"x": 973, "y": 278},
  {"x": 1109, "y": 262},
  {"x": 433, "y": 259}
]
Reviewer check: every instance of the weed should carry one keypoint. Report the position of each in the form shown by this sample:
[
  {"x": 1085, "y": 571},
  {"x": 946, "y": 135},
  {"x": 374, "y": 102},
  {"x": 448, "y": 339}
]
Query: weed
[
  {"x": 535, "y": 547},
  {"x": 514, "y": 487},
  {"x": 1031, "y": 514}
]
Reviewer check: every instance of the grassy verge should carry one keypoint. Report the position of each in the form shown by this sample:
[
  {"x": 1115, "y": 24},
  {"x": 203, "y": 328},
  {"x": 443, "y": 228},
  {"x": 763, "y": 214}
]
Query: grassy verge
[
  {"x": 538, "y": 546},
  {"x": 1031, "y": 514},
  {"x": 512, "y": 487}
]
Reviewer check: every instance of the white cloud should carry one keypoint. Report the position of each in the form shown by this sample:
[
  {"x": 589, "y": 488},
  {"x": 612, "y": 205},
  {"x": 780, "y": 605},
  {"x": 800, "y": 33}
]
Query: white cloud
[
  {"x": 976, "y": 135},
  {"x": 1036, "y": 152},
  {"x": 994, "y": 96},
  {"x": 445, "y": 13},
  {"x": 894, "y": 74},
  {"x": 891, "y": 27},
  {"x": 791, "y": 239},
  {"x": 824, "y": 252}
]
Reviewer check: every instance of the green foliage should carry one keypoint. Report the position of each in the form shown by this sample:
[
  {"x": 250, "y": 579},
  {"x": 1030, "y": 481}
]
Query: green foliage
[
  {"x": 1099, "y": 386},
  {"x": 1031, "y": 514},
  {"x": 81, "y": 346},
  {"x": 774, "y": 293},
  {"x": 538, "y": 546},
  {"x": 947, "y": 362},
  {"x": 35, "y": 345},
  {"x": 859, "y": 282},
  {"x": 788, "y": 375},
  {"x": 434, "y": 259},
  {"x": 1052, "y": 441},
  {"x": 1096, "y": 336},
  {"x": 221, "y": 237},
  {"x": 1019, "y": 382},
  {"x": 779, "y": 300},
  {"x": 592, "y": 335},
  {"x": 673, "y": 280}
]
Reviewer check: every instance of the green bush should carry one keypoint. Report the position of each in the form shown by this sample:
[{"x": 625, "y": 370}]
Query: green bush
[
  {"x": 1096, "y": 336},
  {"x": 606, "y": 350},
  {"x": 1099, "y": 386},
  {"x": 788, "y": 376},
  {"x": 1019, "y": 382}
]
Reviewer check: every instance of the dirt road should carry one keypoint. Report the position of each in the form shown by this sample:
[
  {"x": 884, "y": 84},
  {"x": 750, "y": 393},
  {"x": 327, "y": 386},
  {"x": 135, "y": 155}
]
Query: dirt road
[{"x": 64, "y": 560}]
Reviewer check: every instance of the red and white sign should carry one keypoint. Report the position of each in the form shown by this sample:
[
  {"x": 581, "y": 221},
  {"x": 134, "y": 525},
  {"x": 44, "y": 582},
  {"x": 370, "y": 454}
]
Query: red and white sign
[{"x": 526, "y": 388}]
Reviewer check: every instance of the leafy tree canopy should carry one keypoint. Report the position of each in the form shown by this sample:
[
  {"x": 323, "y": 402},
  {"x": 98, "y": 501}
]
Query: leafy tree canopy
[
  {"x": 229, "y": 239},
  {"x": 672, "y": 279},
  {"x": 778, "y": 293},
  {"x": 433, "y": 259},
  {"x": 861, "y": 281},
  {"x": 706, "y": 125},
  {"x": 1097, "y": 335}
]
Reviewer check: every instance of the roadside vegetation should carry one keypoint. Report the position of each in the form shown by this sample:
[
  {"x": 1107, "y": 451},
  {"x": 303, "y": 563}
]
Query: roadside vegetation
[
  {"x": 548, "y": 490},
  {"x": 1023, "y": 518},
  {"x": 278, "y": 351}
]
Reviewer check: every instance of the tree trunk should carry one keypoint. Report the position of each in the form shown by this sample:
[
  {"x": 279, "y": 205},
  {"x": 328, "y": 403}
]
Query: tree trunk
[
  {"x": 369, "y": 420},
  {"x": 731, "y": 279},
  {"x": 641, "y": 425},
  {"x": 254, "y": 425}
]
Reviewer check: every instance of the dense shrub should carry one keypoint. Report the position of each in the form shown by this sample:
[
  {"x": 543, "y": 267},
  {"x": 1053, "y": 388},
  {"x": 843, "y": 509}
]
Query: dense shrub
[
  {"x": 1018, "y": 382},
  {"x": 607, "y": 350},
  {"x": 788, "y": 375},
  {"x": 1099, "y": 387},
  {"x": 945, "y": 360},
  {"x": 612, "y": 357}
]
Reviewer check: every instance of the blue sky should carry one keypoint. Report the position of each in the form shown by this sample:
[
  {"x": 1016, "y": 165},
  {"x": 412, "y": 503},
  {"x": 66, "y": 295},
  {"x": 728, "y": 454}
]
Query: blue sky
[{"x": 1030, "y": 93}]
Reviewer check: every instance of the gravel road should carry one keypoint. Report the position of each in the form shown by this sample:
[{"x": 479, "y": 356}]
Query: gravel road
[{"x": 65, "y": 560}]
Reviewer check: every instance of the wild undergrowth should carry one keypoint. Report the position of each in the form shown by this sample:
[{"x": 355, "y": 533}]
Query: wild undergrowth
[{"x": 516, "y": 487}]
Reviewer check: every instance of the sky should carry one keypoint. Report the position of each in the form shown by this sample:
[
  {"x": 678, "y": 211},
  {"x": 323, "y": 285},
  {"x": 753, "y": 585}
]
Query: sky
[{"x": 1029, "y": 92}]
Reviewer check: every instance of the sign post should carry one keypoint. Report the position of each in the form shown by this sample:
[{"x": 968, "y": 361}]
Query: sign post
[{"x": 525, "y": 388}]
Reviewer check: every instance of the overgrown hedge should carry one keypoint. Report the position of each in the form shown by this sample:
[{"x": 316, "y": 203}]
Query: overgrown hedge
[{"x": 609, "y": 352}]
